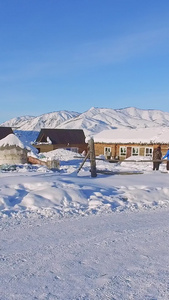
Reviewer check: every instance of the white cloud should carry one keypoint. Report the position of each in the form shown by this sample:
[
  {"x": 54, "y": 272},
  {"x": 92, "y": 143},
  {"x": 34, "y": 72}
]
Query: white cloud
[{"x": 114, "y": 50}]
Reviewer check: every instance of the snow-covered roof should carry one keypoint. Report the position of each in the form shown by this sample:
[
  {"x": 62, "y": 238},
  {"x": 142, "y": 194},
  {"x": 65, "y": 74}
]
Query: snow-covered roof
[
  {"x": 11, "y": 140},
  {"x": 138, "y": 135}
]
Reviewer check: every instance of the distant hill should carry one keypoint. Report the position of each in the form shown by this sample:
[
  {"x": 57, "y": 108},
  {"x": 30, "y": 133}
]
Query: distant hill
[
  {"x": 92, "y": 121},
  {"x": 48, "y": 120},
  {"x": 97, "y": 119}
]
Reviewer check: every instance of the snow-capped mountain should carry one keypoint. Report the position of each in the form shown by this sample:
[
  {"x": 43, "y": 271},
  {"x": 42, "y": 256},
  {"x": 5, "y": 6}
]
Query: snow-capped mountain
[
  {"x": 49, "y": 120},
  {"x": 18, "y": 122},
  {"x": 94, "y": 120},
  {"x": 97, "y": 119}
]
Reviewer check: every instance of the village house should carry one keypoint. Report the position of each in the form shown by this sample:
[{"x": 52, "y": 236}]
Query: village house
[
  {"x": 123, "y": 143},
  {"x": 69, "y": 139}
]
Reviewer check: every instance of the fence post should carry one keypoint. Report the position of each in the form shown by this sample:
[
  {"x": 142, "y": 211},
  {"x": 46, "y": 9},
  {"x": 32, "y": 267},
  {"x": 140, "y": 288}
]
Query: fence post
[
  {"x": 92, "y": 158},
  {"x": 81, "y": 165}
]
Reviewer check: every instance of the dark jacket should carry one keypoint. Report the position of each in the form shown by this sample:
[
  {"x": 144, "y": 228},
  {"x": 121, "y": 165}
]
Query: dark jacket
[{"x": 157, "y": 154}]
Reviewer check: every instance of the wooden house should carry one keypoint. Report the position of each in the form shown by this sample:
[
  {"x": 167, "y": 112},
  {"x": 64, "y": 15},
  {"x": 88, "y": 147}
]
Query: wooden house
[
  {"x": 123, "y": 143},
  {"x": 69, "y": 139}
]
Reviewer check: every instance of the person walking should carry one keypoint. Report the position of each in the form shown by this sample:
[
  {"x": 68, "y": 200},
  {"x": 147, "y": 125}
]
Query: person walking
[
  {"x": 167, "y": 156},
  {"x": 157, "y": 155}
]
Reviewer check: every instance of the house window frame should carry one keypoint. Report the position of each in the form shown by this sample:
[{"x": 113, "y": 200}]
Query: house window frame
[
  {"x": 136, "y": 153},
  {"x": 107, "y": 152},
  {"x": 149, "y": 154},
  {"x": 73, "y": 149},
  {"x": 124, "y": 153}
]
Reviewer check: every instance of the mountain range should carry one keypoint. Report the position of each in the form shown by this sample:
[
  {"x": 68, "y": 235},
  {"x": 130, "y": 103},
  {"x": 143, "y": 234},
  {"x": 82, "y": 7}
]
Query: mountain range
[{"x": 92, "y": 121}]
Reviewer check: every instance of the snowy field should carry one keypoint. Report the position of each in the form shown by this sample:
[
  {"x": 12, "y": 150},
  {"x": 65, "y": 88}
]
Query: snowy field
[{"x": 69, "y": 236}]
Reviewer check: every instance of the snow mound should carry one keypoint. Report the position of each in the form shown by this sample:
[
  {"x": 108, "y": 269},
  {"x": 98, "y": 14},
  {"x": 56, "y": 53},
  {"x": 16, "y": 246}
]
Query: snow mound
[
  {"x": 11, "y": 140},
  {"x": 60, "y": 154}
]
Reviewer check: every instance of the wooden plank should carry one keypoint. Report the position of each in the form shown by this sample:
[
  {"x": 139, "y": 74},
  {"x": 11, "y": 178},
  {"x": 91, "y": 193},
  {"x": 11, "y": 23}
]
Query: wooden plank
[
  {"x": 85, "y": 158},
  {"x": 105, "y": 172},
  {"x": 126, "y": 160}
]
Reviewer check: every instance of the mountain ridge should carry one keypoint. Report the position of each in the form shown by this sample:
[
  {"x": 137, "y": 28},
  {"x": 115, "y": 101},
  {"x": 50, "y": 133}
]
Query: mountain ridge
[{"x": 93, "y": 120}]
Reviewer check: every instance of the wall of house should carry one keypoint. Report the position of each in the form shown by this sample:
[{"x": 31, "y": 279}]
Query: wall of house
[
  {"x": 49, "y": 147},
  {"x": 80, "y": 147},
  {"x": 99, "y": 148},
  {"x": 44, "y": 147},
  {"x": 115, "y": 148}
]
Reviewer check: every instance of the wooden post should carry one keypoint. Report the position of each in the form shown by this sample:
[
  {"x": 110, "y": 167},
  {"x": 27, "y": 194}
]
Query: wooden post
[
  {"x": 81, "y": 165},
  {"x": 92, "y": 158}
]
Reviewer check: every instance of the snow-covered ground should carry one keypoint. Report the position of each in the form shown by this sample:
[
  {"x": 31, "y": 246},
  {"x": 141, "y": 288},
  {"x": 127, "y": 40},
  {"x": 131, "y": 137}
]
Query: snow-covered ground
[{"x": 69, "y": 236}]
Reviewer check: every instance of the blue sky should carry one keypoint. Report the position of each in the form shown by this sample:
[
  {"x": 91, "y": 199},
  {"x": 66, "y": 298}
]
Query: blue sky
[{"x": 76, "y": 54}]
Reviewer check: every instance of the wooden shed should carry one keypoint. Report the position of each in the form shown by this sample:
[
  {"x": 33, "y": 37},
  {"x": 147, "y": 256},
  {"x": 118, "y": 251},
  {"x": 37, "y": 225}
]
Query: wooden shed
[
  {"x": 123, "y": 143},
  {"x": 69, "y": 139}
]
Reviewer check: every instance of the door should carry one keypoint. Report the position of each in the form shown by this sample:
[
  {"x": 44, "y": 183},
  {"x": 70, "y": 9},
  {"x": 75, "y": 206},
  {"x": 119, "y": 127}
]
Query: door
[{"x": 128, "y": 152}]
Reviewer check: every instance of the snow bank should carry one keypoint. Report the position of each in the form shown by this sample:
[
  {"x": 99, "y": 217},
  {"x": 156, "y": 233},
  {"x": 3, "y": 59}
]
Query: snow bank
[
  {"x": 11, "y": 140},
  {"x": 60, "y": 154},
  {"x": 38, "y": 190}
]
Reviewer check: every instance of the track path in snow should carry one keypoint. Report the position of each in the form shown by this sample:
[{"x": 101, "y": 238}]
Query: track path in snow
[{"x": 109, "y": 256}]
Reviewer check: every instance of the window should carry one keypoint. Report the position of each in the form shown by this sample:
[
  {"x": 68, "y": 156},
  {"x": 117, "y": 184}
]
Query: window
[
  {"x": 148, "y": 151},
  {"x": 107, "y": 151},
  {"x": 123, "y": 151},
  {"x": 73, "y": 149},
  {"x": 135, "y": 151}
]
